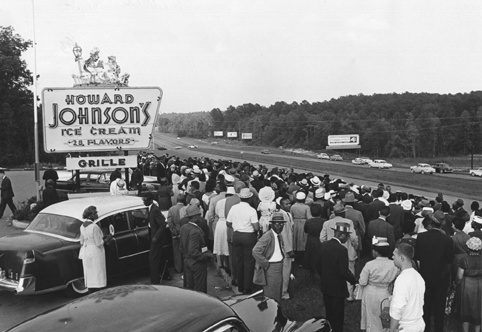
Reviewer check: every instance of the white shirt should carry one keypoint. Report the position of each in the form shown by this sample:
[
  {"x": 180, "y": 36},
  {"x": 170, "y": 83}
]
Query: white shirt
[
  {"x": 407, "y": 301},
  {"x": 242, "y": 216},
  {"x": 277, "y": 254},
  {"x": 116, "y": 190}
]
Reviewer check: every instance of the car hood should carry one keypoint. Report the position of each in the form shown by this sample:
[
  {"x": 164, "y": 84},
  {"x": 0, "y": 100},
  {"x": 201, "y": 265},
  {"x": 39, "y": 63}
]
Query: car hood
[
  {"x": 29, "y": 241},
  {"x": 260, "y": 314}
]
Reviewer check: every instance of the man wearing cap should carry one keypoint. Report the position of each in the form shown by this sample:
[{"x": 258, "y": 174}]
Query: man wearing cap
[
  {"x": 160, "y": 241},
  {"x": 6, "y": 194},
  {"x": 244, "y": 221},
  {"x": 434, "y": 251},
  {"x": 327, "y": 233},
  {"x": 269, "y": 253},
  {"x": 332, "y": 265},
  {"x": 195, "y": 252}
]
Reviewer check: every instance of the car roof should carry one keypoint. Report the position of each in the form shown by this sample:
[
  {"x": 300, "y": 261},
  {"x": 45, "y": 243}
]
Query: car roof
[
  {"x": 134, "y": 308},
  {"x": 105, "y": 204}
]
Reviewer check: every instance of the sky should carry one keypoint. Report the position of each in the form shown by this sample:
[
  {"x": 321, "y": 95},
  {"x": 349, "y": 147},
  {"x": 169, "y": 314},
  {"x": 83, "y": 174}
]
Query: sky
[{"x": 216, "y": 53}]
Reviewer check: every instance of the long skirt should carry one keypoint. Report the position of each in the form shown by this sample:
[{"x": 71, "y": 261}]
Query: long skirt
[
  {"x": 370, "y": 308},
  {"x": 93, "y": 262},
  {"x": 299, "y": 235},
  {"x": 470, "y": 300},
  {"x": 220, "y": 246},
  {"x": 274, "y": 281}
]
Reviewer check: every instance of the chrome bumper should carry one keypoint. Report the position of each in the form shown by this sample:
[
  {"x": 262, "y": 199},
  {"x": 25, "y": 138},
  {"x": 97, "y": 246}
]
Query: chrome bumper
[{"x": 23, "y": 286}]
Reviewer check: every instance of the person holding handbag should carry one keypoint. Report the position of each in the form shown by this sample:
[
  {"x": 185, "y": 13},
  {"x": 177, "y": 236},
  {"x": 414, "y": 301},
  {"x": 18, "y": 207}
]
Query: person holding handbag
[
  {"x": 269, "y": 254},
  {"x": 375, "y": 279}
]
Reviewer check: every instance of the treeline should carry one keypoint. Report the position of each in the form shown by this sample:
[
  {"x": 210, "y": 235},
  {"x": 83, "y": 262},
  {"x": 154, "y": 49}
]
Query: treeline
[{"x": 389, "y": 125}]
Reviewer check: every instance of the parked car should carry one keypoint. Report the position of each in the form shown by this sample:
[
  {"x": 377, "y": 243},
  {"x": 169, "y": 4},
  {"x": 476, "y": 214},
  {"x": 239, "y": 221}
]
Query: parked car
[
  {"x": 93, "y": 181},
  {"x": 442, "y": 168},
  {"x": 422, "y": 169},
  {"x": 167, "y": 309},
  {"x": 476, "y": 172},
  {"x": 265, "y": 151},
  {"x": 44, "y": 257},
  {"x": 336, "y": 157},
  {"x": 323, "y": 156},
  {"x": 379, "y": 163}
]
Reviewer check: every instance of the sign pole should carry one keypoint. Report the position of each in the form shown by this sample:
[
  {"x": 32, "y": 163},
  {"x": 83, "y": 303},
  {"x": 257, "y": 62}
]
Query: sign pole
[{"x": 35, "y": 111}]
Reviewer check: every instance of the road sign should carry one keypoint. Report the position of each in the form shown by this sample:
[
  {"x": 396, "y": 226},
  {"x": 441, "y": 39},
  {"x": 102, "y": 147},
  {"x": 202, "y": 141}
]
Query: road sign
[
  {"x": 218, "y": 134},
  {"x": 99, "y": 118},
  {"x": 246, "y": 135}
]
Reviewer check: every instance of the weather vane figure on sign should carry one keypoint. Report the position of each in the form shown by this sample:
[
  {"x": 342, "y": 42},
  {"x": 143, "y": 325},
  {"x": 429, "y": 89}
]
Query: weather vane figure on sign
[{"x": 93, "y": 72}]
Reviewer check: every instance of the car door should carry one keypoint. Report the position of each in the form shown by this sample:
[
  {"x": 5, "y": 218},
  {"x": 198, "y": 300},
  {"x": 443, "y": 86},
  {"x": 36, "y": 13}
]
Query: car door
[
  {"x": 139, "y": 223},
  {"x": 122, "y": 246}
]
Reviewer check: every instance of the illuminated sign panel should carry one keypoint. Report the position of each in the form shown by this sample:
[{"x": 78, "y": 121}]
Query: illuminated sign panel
[
  {"x": 218, "y": 134},
  {"x": 343, "y": 140},
  {"x": 232, "y": 134},
  {"x": 99, "y": 118}
]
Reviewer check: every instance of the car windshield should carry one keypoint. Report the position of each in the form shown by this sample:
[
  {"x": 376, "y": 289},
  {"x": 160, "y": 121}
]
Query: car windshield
[{"x": 55, "y": 224}]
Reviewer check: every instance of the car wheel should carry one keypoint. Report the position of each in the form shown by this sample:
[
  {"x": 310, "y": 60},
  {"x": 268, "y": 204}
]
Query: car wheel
[
  {"x": 77, "y": 288},
  {"x": 412, "y": 171},
  {"x": 422, "y": 172},
  {"x": 473, "y": 174}
]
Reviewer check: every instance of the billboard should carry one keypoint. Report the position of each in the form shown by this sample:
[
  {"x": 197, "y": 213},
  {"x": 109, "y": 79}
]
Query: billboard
[
  {"x": 95, "y": 163},
  {"x": 99, "y": 118},
  {"x": 246, "y": 135},
  {"x": 350, "y": 141},
  {"x": 218, "y": 134},
  {"x": 232, "y": 134}
]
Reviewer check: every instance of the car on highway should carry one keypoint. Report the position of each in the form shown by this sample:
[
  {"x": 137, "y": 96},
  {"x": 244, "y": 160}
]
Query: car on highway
[
  {"x": 178, "y": 147},
  {"x": 476, "y": 172},
  {"x": 193, "y": 146},
  {"x": 442, "y": 168},
  {"x": 361, "y": 160},
  {"x": 379, "y": 163},
  {"x": 168, "y": 309},
  {"x": 44, "y": 257},
  {"x": 323, "y": 156},
  {"x": 336, "y": 157},
  {"x": 265, "y": 151},
  {"x": 422, "y": 168},
  {"x": 214, "y": 143}
]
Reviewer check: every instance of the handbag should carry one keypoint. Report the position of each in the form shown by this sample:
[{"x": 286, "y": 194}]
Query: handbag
[
  {"x": 358, "y": 292},
  {"x": 259, "y": 276},
  {"x": 385, "y": 313},
  {"x": 450, "y": 300}
]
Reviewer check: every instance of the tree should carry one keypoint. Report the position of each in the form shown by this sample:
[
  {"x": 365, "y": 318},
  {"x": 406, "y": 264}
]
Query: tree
[{"x": 15, "y": 98}]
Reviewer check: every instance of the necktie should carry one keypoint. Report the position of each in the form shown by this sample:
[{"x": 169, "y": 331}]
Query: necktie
[{"x": 281, "y": 245}]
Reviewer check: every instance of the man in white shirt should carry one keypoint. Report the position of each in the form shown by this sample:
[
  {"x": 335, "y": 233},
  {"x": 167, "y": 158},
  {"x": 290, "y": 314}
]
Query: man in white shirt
[
  {"x": 118, "y": 187},
  {"x": 406, "y": 307},
  {"x": 287, "y": 235},
  {"x": 244, "y": 220}
]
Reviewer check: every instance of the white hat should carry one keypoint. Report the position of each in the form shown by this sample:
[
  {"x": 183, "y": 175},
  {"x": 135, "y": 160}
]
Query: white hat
[
  {"x": 196, "y": 169},
  {"x": 406, "y": 205},
  {"x": 255, "y": 173},
  {"x": 319, "y": 193},
  {"x": 300, "y": 195},
  {"x": 315, "y": 181},
  {"x": 121, "y": 183},
  {"x": 327, "y": 196},
  {"x": 266, "y": 194},
  {"x": 229, "y": 178},
  {"x": 230, "y": 190},
  {"x": 245, "y": 193},
  {"x": 477, "y": 219}
]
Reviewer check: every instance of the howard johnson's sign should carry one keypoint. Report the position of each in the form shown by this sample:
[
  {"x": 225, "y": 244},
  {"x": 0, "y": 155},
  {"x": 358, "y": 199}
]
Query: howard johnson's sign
[{"x": 99, "y": 119}]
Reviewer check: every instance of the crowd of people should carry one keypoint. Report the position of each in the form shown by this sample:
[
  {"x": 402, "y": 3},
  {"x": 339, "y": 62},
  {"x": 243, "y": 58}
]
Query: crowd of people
[{"x": 410, "y": 260}]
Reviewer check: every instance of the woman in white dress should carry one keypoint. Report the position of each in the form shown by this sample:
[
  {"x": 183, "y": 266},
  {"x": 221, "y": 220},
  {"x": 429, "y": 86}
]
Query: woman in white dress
[
  {"x": 266, "y": 207},
  {"x": 92, "y": 251},
  {"x": 375, "y": 279}
]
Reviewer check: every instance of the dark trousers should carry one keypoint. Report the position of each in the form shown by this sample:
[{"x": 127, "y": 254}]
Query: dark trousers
[
  {"x": 335, "y": 311},
  {"x": 434, "y": 305},
  {"x": 243, "y": 260},
  {"x": 195, "y": 275},
  {"x": 3, "y": 204},
  {"x": 158, "y": 258}
]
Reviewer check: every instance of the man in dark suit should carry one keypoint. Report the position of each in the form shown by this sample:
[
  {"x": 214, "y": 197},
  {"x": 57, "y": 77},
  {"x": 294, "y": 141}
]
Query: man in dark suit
[
  {"x": 434, "y": 251},
  {"x": 396, "y": 216},
  {"x": 381, "y": 228},
  {"x": 6, "y": 194},
  {"x": 195, "y": 252},
  {"x": 332, "y": 265},
  {"x": 160, "y": 241}
]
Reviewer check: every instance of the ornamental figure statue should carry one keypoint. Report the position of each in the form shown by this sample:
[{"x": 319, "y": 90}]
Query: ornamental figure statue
[{"x": 93, "y": 71}]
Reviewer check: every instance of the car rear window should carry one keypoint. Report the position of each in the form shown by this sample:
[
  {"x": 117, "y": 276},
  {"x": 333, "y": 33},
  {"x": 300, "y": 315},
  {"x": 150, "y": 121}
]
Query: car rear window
[{"x": 55, "y": 224}]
